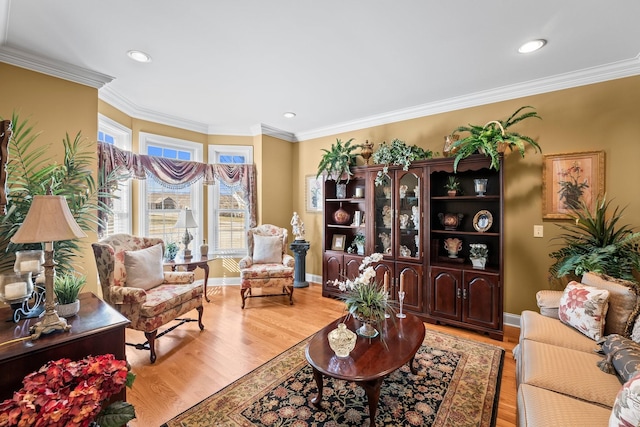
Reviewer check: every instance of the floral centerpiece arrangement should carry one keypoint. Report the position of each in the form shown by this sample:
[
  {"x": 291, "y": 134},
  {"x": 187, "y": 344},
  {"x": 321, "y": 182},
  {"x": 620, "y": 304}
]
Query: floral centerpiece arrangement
[
  {"x": 366, "y": 300},
  {"x": 478, "y": 250},
  {"x": 69, "y": 393}
]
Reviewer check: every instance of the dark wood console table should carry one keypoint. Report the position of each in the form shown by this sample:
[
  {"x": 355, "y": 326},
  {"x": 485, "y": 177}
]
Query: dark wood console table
[{"x": 96, "y": 329}]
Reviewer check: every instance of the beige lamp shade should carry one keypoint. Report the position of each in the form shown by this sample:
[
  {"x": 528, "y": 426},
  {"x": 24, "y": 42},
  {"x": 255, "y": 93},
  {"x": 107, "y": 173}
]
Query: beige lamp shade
[
  {"x": 186, "y": 220},
  {"x": 48, "y": 220}
]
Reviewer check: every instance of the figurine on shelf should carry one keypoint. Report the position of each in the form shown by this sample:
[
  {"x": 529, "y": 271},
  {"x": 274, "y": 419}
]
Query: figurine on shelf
[
  {"x": 405, "y": 251},
  {"x": 415, "y": 217},
  {"x": 386, "y": 216},
  {"x": 404, "y": 221},
  {"x": 403, "y": 191},
  {"x": 386, "y": 242},
  {"x": 297, "y": 226}
]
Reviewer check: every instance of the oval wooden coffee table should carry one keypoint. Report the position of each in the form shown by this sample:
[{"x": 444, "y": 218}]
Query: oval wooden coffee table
[{"x": 370, "y": 361}]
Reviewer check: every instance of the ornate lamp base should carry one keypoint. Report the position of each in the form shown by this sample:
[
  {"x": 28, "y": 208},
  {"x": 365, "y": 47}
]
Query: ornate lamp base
[{"x": 50, "y": 323}]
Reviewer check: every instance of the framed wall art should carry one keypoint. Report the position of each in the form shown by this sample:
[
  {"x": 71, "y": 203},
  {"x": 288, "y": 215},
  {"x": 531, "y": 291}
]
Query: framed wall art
[
  {"x": 313, "y": 193},
  {"x": 338, "y": 242},
  {"x": 569, "y": 180}
]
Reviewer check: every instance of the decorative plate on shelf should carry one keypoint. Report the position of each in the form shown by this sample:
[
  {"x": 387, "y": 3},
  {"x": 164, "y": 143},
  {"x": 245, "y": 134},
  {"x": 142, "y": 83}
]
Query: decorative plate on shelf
[{"x": 482, "y": 221}]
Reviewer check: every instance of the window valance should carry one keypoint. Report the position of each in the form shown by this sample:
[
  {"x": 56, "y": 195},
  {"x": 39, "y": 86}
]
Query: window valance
[{"x": 123, "y": 165}]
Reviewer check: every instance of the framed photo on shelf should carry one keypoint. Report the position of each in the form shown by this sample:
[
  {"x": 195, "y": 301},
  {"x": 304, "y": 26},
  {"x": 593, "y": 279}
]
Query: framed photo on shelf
[
  {"x": 338, "y": 242},
  {"x": 313, "y": 193},
  {"x": 569, "y": 180}
]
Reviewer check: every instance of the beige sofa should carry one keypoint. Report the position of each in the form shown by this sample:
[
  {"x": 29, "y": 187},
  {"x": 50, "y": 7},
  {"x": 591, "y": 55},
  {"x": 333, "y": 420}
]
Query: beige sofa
[{"x": 558, "y": 378}]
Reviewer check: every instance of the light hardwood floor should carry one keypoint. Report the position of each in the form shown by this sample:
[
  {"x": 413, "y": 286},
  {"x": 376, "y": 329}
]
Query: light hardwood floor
[{"x": 192, "y": 365}]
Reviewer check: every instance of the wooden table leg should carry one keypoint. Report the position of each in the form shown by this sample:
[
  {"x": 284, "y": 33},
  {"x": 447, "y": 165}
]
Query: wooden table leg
[
  {"x": 205, "y": 267},
  {"x": 317, "y": 401},
  {"x": 372, "y": 389},
  {"x": 413, "y": 369}
]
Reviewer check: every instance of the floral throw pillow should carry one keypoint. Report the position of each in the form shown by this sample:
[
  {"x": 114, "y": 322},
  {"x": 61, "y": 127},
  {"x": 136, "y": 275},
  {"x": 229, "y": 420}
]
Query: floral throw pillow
[
  {"x": 626, "y": 409},
  {"x": 584, "y": 308}
]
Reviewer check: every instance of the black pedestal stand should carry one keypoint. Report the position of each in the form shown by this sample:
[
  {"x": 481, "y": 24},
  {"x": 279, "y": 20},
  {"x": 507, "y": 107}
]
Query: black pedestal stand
[{"x": 299, "y": 249}]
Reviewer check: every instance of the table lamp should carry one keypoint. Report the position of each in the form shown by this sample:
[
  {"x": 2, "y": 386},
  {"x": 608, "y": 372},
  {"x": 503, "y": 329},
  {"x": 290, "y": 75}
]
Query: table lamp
[
  {"x": 186, "y": 221},
  {"x": 48, "y": 220}
]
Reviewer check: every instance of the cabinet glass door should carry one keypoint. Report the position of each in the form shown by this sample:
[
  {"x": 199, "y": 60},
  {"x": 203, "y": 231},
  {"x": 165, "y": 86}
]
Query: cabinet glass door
[
  {"x": 409, "y": 215},
  {"x": 383, "y": 214}
]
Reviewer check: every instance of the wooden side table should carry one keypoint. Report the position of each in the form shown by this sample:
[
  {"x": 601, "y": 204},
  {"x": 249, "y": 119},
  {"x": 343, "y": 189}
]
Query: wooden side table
[
  {"x": 193, "y": 263},
  {"x": 96, "y": 329}
]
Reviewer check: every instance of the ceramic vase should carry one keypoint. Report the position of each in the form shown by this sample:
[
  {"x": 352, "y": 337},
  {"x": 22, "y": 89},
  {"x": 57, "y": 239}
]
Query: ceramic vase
[
  {"x": 341, "y": 191},
  {"x": 341, "y": 216},
  {"x": 342, "y": 341},
  {"x": 204, "y": 248}
]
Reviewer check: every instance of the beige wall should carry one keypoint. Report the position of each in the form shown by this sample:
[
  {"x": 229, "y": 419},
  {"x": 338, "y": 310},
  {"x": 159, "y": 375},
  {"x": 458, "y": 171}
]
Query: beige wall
[
  {"x": 54, "y": 107},
  {"x": 602, "y": 116}
]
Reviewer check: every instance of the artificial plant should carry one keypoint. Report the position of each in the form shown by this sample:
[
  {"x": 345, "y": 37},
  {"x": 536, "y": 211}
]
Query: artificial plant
[
  {"x": 493, "y": 138},
  {"x": 397, "y": 153},
  {"x": 30, "y": 172},
  {"x": 594, "y": 241},
  {"x": 337, "y": 161}
]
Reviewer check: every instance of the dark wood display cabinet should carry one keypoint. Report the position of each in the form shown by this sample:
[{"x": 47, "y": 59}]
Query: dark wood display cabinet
[
  {"x": 408, "y": 218},
  {"x": 459, "y": 293},
  {"x": 344, "y": 217}
]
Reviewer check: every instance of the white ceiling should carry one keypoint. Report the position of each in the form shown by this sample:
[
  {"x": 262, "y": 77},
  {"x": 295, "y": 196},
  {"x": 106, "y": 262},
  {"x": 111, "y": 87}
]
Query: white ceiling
[{"x": 234, "y": 67}]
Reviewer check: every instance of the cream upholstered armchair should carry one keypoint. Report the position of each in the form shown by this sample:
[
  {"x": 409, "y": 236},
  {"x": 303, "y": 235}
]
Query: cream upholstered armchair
[
  {"x": 134, "y": 282},
  {"x": 267, "y": 265}
]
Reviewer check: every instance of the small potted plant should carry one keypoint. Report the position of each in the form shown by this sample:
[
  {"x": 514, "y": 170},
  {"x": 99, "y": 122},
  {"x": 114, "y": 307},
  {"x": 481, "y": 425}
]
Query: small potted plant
[
  {"x": 493, "y": 139},
  {"x": 66, "y": 287},
  {"x": 478, "y": 254},
  {"x": 170, "y": 251},
  {"x": 452, "y": 185}
]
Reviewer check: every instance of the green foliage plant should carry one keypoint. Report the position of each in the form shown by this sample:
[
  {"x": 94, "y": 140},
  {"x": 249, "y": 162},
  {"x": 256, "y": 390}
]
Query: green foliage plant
[
  {"x": 67, "y": 286},
  {"x": 595, "y": 242},
  {"x": 452, "y": 184},
  {"x": 31, "y": 172},
  {"x": 337, "y": 161},
  {"x": 493, "y": 138},
  {"x": 397, "y": 153}
]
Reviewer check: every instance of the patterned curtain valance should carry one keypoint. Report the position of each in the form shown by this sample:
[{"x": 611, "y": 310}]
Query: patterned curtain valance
[{"x": 123, "y": 165}]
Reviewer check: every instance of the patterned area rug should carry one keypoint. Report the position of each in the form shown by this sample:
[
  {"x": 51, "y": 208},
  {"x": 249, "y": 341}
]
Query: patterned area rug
[{"x": 457, "y": 384}]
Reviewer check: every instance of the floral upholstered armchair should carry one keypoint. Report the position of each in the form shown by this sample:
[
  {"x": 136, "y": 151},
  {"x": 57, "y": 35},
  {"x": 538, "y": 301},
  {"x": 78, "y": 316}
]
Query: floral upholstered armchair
[
  {"x": 267, "y": 265},
  {"x": 134, "y": 282}
]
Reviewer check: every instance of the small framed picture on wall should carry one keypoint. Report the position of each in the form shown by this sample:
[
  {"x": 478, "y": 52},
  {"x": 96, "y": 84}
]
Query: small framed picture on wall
[
  {"x": 313, "y": 193},
  {"x": 570, "y": 181}
]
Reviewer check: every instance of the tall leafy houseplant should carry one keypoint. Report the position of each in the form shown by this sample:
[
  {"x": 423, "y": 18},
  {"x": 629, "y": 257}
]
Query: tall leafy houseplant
[
  {"x": 397, "y": 153},
  {"x": 337, "y": 161},
  {"x": 494, "y": 138},
  {"x": 31, "y": 172},
  {"x": 595, "y": 242}
]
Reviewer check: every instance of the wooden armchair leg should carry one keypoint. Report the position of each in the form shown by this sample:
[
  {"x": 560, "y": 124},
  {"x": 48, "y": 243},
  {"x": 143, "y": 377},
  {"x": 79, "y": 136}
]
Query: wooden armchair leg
[
  {"x": 200, "y": 311},
  {"x": 151, "y": 338},
  {"x": 242, "y": 291}
]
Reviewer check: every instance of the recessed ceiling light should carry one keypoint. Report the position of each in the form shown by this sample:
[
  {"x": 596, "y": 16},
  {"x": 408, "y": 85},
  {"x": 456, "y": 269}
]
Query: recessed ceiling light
[
  {"x": 289, "y": 115},
  {"x": 139, "y": 56},
  {"x": 532, "y": 46}
]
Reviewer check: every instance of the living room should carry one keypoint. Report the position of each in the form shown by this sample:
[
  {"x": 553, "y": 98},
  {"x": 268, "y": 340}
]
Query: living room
[{"x": 599, "y": 116}]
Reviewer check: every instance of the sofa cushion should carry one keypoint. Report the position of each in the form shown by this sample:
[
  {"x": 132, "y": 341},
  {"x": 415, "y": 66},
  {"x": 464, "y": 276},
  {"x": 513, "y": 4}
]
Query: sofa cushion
[
  {"x": 584, "y": 308},
  {"x": 539, "y": 407},
  {"x": 267, "y": 249},
  {"x": 623, "y": 302},
  {"x": 549, "y": 301},
  {"x": 144, "y": 267},
  {"x": 626, "y": 409},
  {"x": 536, "y": 327},
  {"x": 622, "y": 354},
  {"x": 570, "y": 372}
]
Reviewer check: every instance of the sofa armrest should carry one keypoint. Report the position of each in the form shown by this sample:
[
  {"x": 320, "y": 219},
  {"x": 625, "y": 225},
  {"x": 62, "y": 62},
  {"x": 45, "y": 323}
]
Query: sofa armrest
[
  {"x": 549, "y": 302},
  {"x": 288, "y": 260},
  {"x": 127, "y": 295},
  {"x": 178, "y": 277},
  {"x": 246, "y": 262}
]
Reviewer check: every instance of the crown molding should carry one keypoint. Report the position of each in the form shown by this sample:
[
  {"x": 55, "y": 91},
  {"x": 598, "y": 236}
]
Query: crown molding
[
  {"x": 263, "y": 129},
  {"x": 616, "y": 70},
  {"x": 52, "y": 67}
]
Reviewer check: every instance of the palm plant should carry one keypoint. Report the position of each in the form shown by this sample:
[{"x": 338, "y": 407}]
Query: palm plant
[
  {"x": 492, "y": 139},
  {"x": 594, "y": 242},
  {"x": 30, "y": 172}
]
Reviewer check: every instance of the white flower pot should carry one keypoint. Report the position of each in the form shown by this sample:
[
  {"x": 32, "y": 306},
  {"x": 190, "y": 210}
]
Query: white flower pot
[
  {"x": 68, "y": 310},
  {"x": 478, "y": 263}
]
